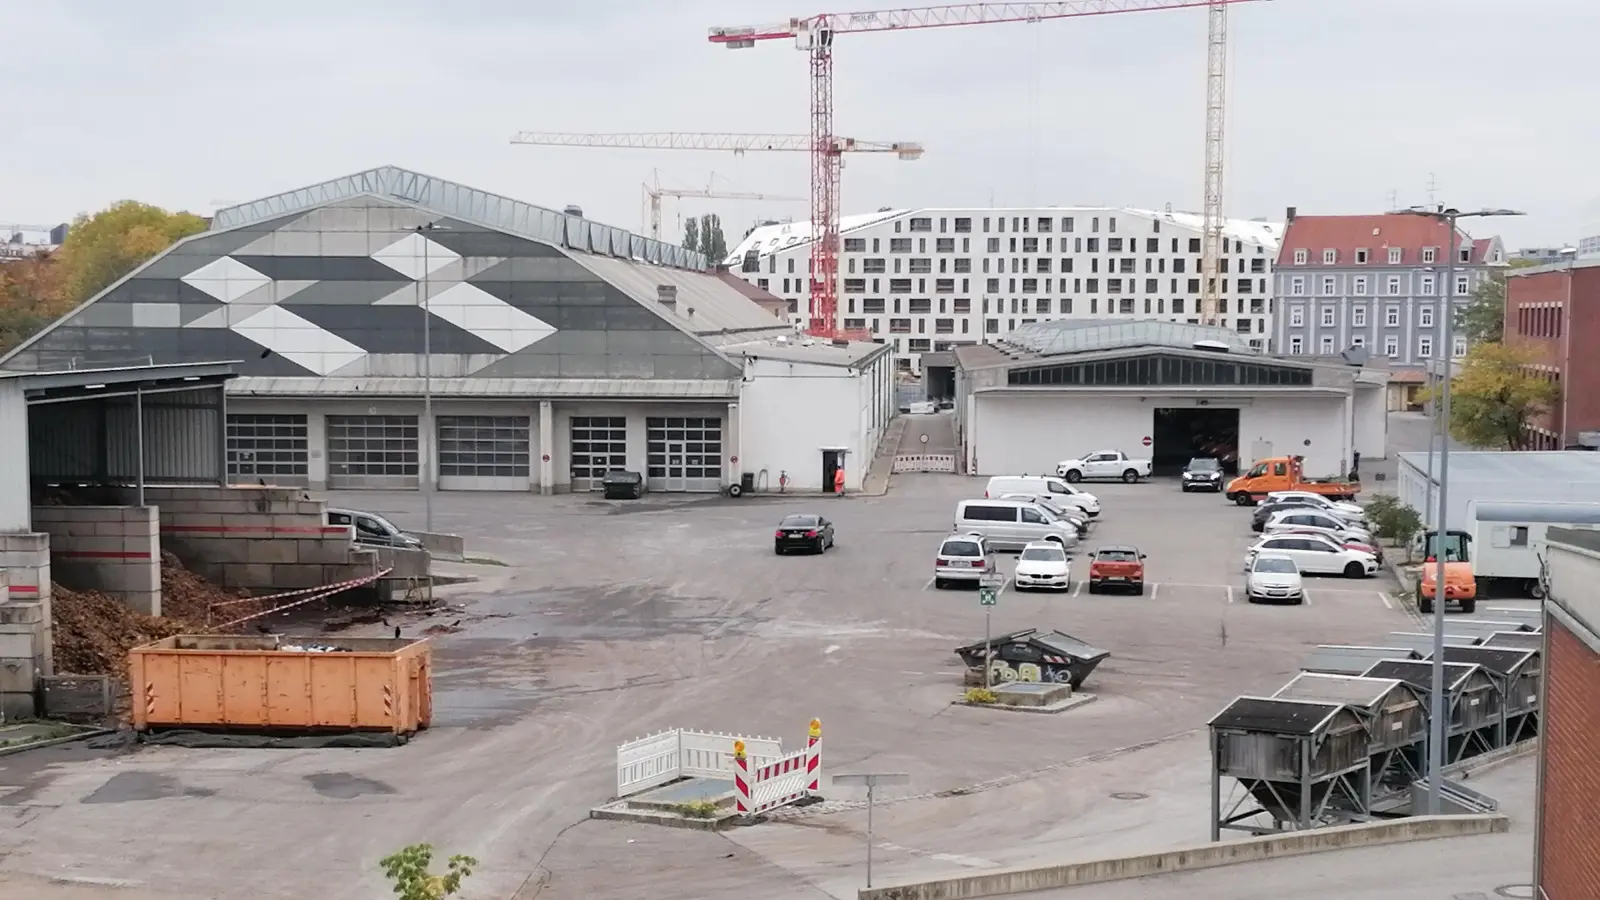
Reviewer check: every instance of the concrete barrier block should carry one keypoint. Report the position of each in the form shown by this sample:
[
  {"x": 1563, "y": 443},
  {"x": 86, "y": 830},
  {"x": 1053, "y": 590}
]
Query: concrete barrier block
[
  {"x": 1003, "y": 882},
  {"x": 16, "y": 642},
  {"x": 180, "y": 519},
  {"x": 322, "y": 552},
  {"x": 43, "y": 514},
  {"x": 18, "y": 674},
  {"x": 444, "y": 546},
  {"x": 274, "y": 550},
  {"x": 147, "y": 602},
  {"x": 290, "y": 577},
  {"x": 318, "y": 508},
  {"x": 25, "y": 542},
  {"x": 17, "y": 614},
  {"x": 250, "y": 575}
]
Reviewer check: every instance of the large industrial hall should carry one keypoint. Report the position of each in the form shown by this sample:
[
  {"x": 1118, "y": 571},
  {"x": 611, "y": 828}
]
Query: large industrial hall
[
  {"x": 1166, "y": 391},
  {"x": 548, "y": 349}
]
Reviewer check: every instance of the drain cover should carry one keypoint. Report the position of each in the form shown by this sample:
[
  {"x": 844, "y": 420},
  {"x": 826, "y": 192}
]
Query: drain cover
[
  {"x": 1515, "y": 891},
  {"x": 1129, "y": 795}
]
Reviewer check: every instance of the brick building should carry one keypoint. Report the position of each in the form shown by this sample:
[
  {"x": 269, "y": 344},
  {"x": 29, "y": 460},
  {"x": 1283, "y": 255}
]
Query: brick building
[
  {"x": 1553, "y": 310},
  {"x": 1567, "y": 843}
]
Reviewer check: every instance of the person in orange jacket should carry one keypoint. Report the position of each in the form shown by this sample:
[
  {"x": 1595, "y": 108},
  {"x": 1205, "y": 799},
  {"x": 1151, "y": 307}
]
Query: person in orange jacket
[{"x": 838, "y": 481}]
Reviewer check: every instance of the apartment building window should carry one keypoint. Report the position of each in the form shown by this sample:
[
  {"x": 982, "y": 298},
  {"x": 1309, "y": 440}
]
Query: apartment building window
[
  {"x": 899, "y": 326},
  {"x": 1243, "y": 286},
  {"x": 1297, "y": 286},
  {"x": 897, "y": 226},
  {"x": 1425, "y": 317},
  {"x": 1361, "y": 256},
  {"x": 1093, "y": 285},
  {"x": 1258, "y": 266},
  {"x": 1465, "y": 255},
  {"x": 1358, "y": 285},
  {"x": 763, "y": 284},
  {"x": 1425, "y": 346},
  {"x": 899, "y": 285},
  {"x": 944, "y": 225},
  {"x": 1296, "y": 345},
  {"x": 1011, "y": 285},
  {"x": 1194, "y": 245},
  {"x": 1426, "y": 286},
  {"x": 985, "y": 224},
  {"x": 1300, "y": 256},
  {"x": 874, "y": 266},
  {"x": 1391, "y": 316},
  {"x": 963, "y": 265},
  {"x": 1462, "y": 288},
  {"x": 1194, "y": 287},
  {"x": 772, "y": 265},
  {"x": 855, "y": 285},
  {"x": 1394, "y": 256},
  {"x": 872, "y": 305},
  {"x": 1297, "y": 314},
  {"x": 1178, "y": 266},
  {"x": 1030, "y": 245},
  {"x": 1458, "y": 348},
  {"x": 944, "y": 245},
  {"x": 1151, "y": 285},
  {"x": 1094, "y": 245},
  {"x": 786, "y": 286},
  {"x": 1391, "y": 346},
  {"x": 855, "y": 324},
  {"x": 1429, "y": 254},
  {"x": 1358, "y": 340},
  {"x": 992, "y": 245},
  {"x": 1030, "y": 285},
  {"x": 1042, "y": 307},
  {"x": 1113, "y": 245},
  {"x": 944, "y": 326},
  {"x": 961, "y": 305},
  {"x": 1327, "y": 317},
  {"x": 1042, "y": 265},
  {"x": 1394, "y": 285},
  {"x": 855, "y": 245},
  {"x": 919, "y": 305},
  {"x": 944, "y": 286},
  {"x": 1113, "y": 285},
  {"x": 1329, "y": 257},
  {"x": 921, "y": 265},
  {"x": 1358, "y": 317},
  {"x": 900, "y": 245},
  {"x": 1327, "y": 285},
  {"x": 1094, "y": 306},
  {"x": 1177, "y": 306},
  {"x": 991, "y": 326},
  {"x": 1127, "y": 266},
  {"x": 963, "y": 224},
  {"x": 1066, "y": 223}
]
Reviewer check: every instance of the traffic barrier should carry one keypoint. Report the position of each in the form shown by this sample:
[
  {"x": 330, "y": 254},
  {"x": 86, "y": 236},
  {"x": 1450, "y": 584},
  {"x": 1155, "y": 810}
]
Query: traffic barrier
[
  {"x": 665, "y": 756},
  {"x": 764, "y": 787},
  {"x": 925, "y": 462}
]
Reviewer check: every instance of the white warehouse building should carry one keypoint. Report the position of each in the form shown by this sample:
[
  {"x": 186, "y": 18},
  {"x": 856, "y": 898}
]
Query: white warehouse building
[
  {"x": 1159, "y": 390},
  {"x": 932, "y": 280},
  {"x": 392, "y": 330}
]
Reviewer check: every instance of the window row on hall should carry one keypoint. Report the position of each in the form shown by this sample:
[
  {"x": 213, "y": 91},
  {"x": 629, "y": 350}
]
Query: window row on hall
[
  {"x": 992, "y": 325},
  {"x": 1126, "y": 306},
  {"x": 1153, "y": 371},
  {"x": 1361, "y": 285}
]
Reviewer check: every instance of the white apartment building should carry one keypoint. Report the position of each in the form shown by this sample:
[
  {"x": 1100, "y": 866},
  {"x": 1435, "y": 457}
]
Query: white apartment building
[{"x": 936, "y": 279}]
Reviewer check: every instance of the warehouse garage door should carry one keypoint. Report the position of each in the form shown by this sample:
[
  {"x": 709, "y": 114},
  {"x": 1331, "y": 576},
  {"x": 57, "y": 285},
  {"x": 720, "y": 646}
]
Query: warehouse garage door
[
  {"x": 684, "y": 453},
  {"x": 599, "y": 444},
  {"x": 372, "y": 452},
  {"x": 484, "y": 453},
  {"x": 268, "y": 449}
]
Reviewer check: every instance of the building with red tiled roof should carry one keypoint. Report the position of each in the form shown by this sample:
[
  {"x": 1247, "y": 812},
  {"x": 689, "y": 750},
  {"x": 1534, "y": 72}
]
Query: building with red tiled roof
[
  {"x": 1373, "y": 281},
  {"x": 765, "y": 299}
]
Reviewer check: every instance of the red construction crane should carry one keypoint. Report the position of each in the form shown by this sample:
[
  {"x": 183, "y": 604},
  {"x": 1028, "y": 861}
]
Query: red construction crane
[{"x": 815, "y": 35}]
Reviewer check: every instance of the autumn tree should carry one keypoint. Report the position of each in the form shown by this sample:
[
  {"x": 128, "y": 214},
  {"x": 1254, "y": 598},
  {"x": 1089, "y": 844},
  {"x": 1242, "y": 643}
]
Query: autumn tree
[
  {"x": 103, "y": 247},
  {"x": 30, "y": 298},
  {"x": 408, "y": 870},
  {"x": 1496, "y": 395},
  {"x": 1483, "y": 318}
]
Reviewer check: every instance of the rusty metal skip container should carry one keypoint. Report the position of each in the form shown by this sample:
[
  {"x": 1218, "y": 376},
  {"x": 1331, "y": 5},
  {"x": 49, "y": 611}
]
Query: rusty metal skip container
[{"x": 254, "y": 683}]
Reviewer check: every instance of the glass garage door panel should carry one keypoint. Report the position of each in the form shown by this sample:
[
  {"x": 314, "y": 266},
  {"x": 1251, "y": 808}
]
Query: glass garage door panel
[
  {"x": 372, "y": 452},
  {"x": 599, "y": 444},
  {"x": 268, "y": 449},
  {"x": 484, "y": 453},
  {"x": 683, "y": 453}
]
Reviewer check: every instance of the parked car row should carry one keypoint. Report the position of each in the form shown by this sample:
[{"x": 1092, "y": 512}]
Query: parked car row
[{"x": 1306, "y": 533}]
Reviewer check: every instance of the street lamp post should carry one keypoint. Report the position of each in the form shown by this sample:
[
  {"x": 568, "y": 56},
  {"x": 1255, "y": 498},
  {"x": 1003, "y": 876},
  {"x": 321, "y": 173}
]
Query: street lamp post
[
  {"x": 427, "y": 464},
  {"x": 1441, "y": 411}
]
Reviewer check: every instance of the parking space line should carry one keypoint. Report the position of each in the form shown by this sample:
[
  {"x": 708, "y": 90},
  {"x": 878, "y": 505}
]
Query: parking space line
[
  {"x": 1230, "y": 592},
  {"x": 1077, "y": 588},
  {"x": 1385, "y": 598},
  {"x": 930, "y": 582},
  {"x": 1306, "y": 596},
  {"x": 1155, "y": 588}
]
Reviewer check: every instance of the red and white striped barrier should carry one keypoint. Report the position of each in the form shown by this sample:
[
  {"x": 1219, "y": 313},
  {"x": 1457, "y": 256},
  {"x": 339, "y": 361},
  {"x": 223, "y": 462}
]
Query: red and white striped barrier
[{"x": 780, "y": 782}]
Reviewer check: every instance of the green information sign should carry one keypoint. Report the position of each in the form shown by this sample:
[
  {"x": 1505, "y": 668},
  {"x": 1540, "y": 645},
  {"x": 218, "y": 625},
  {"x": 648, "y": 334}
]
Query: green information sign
[{"x": 987, "y": 597}]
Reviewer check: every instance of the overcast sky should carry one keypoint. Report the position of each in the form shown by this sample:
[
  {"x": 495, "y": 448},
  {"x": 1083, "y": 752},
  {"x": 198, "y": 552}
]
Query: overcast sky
[{"x": 1335, "y": 105}]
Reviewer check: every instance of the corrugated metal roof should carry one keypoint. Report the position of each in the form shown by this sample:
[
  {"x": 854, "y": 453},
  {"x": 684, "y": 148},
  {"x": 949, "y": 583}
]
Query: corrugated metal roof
[
  {"x": 1273, "y": 716},
  {"x": 820, "y": 353},
  {"x": 1529, "y": 511},
  {"x": 720, "y": 314},
  {"x": 1342, "y": 660},
  {"x": 518, "y": 388},
  {"x": 1419, "y": 673},
  {"x": 1062, "y": 336},
  {"x": 1556, "y": 466},
  {"x": 1346, "y": 689}
]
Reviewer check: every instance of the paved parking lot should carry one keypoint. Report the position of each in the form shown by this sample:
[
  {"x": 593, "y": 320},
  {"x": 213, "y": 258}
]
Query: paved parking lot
[{"x": 613, "y": 620}]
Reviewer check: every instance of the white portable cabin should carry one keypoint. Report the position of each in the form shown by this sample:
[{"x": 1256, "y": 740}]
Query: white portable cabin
[{"x": 1509, "y": 537}]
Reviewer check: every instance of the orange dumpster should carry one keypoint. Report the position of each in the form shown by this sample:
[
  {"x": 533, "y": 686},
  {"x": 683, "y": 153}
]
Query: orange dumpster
[{"x": 282, "y": 684}]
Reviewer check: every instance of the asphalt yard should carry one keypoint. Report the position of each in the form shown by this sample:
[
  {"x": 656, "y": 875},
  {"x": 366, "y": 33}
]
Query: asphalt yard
[{"x": 612, "y": 620}]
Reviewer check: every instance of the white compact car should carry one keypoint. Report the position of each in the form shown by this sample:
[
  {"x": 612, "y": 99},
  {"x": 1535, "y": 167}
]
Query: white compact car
[
  {"x": 1315, "y": 554},
  {"x": 1274, "y": 578},
  {"x": 1044, "y": 564},
  {"x": 1344, "y": 510},
  {"x": 1303, "y": 519},
  {"x": 964, "y": 558}
]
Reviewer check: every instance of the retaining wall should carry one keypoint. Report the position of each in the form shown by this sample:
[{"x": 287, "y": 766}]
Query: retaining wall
[
  {"x": 24, "y": 650},
  {"x": 112, "y": 549},
  {"x": 262, "y": 539}
]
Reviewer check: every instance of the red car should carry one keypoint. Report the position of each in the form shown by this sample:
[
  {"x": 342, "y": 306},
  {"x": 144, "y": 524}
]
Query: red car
[{"x": 1116, "y": 566}]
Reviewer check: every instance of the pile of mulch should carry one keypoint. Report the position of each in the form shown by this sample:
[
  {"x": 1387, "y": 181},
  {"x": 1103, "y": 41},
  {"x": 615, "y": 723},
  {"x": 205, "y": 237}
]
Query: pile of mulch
[{"x": 94, "y": 632}]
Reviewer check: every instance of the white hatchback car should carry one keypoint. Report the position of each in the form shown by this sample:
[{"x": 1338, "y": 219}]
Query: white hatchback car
[
  {"x": 1274, "y": 578},
  {"x": 964, "y": 558},
  {"x": 1044, "y": 564},
  {"x": 1300, "y": 518},
  {"x": 1315, "y": 554}
]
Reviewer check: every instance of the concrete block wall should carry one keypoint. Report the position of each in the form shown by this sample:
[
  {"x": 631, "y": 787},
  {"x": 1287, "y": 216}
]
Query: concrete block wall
[
  {"x": 24, "y": 650},
  {"x": 26, "y": 556},
  {"x": 262, "y": 539},
  {"x": 112, "y": 549}
]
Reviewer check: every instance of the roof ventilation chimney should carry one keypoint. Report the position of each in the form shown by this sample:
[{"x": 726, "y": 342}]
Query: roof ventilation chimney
[
  {"x": 1289, "y": 214},
  {"x": 667, "y": 295},
  {"x": 574, "y": 209},
  {"x": 841, "y": 342}
]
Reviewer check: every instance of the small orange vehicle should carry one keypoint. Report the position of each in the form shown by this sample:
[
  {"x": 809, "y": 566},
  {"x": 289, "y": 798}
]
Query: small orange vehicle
[
  {"x": 1285, "y": 473},
  {"x": 1460, "y": 585},
  {"x": 1119, "y": 566}
]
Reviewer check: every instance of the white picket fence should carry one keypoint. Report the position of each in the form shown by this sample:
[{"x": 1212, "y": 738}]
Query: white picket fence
[
  {"x": 925, "y": 462},
  {"x": 656, "y": 759}
]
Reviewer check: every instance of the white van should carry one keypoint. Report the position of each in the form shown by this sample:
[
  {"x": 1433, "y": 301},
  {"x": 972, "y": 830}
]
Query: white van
[
  {"x": 1056, "y": 490},
  {"x": 1013, "y": 524}
]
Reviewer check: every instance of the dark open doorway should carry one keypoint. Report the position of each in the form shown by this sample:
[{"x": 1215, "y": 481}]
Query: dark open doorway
[
  {"x": 1185, "y": 433},
  {"x": 832, "y": 461}
]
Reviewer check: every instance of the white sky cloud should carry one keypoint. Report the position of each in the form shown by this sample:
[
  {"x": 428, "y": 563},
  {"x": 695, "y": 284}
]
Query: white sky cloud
[{"x": 1333, "y": 105}]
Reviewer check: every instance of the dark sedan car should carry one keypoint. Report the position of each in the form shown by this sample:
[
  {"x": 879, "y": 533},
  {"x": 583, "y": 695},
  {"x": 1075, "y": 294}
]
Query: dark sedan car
[
  {"x": 803, "y": 532},
  {"x": 1203, "y": 473}
]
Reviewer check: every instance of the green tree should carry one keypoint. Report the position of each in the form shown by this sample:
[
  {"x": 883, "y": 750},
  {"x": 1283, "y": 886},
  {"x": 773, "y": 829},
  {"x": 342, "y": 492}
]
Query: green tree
[
  {"x": 1394, "y": 520},
  {"x": 1495, "y": 397},
  {"x": 103, "y": 247},
  {"x": 712, "y": 243},
  {"x": 691, "y": 235},
  {"x": 1483, "y": 318},
  {"x": 408, "y": 869}
]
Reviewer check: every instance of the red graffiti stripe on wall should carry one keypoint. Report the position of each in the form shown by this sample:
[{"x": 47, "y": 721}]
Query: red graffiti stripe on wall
[
  {"x": 101, "y": 554},
  {"x": 24, "y": 589},
  {"x": 254, "y": 529}
]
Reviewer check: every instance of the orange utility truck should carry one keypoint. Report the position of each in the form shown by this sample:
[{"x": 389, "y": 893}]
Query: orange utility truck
[{"x": 1285, "y": 473}]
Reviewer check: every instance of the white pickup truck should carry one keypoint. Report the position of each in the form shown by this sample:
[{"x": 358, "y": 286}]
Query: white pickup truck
[{"x": 1104, "y": 464}]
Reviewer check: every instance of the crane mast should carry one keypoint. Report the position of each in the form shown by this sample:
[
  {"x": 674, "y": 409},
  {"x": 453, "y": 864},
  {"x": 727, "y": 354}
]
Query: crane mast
[{"x": 1212, "y": 239}]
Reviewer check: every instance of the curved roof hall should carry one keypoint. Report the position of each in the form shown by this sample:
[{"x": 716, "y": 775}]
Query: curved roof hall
[{"x": 1066, "y": 336}]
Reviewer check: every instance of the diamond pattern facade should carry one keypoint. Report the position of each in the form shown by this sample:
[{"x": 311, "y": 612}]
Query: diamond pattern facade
[{"x": 347, "y": 285}]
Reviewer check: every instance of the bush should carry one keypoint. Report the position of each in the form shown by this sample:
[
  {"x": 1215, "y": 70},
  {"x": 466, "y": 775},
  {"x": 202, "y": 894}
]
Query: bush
[
  {"x": 1394, "y": 520},
  {"x": 981, "y": 695},
  {"x": 408, "y": 870},
  {"x": 699, "y": 809}
]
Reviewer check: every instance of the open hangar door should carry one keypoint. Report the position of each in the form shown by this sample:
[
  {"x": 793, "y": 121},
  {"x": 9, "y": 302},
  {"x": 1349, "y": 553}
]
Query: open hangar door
[{"x": 1183, "y": 433}]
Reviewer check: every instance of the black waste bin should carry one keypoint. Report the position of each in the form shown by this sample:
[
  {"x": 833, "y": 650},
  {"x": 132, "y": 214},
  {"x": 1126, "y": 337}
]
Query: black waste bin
[
  {"x": 620, "y": 485},
  {"x": 747, "y": 483},
  {"x": 1051, "y": 656}
]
